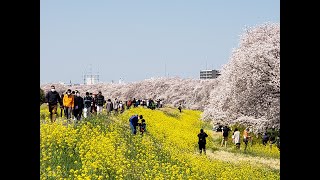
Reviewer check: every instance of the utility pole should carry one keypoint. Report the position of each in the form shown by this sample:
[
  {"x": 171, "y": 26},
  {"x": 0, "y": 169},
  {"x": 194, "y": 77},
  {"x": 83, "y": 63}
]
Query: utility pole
[
  {"x": 90, "y": 71},
  {"x": 206, "y": 63}
]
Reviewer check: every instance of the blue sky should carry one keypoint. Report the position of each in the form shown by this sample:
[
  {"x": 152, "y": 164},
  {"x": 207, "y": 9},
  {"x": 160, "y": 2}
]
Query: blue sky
[{"x": 140, "y": 39}]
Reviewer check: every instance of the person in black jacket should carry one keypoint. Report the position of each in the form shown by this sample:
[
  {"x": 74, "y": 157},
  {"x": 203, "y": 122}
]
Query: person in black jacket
[
  {"x": 78, "y": 106},
  {"x": 265, "y": 139},
  {"x": 73, "y": 110},
  {"x": 52, "y": 99},
  {"x": 180, "y": 107},
  {"x": 61, "y": 108},
  {"x": 93, "y": 104},
  {"x": 87, "y": 101},
  {"x": 100, "y": 102},
  {"x": 142, "y": 125},
  {"x": 225, "y": 134},
  {"x": 134, "y": 102},
  {"x": 202, "y": 141}
]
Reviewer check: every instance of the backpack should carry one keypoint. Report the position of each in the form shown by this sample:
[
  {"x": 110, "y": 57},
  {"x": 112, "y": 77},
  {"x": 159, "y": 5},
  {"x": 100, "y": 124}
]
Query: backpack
[{"x": 202, "y": 138}]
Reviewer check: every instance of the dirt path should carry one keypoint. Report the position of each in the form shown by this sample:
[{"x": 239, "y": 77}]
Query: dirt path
[{"x": 236, "y": 158}]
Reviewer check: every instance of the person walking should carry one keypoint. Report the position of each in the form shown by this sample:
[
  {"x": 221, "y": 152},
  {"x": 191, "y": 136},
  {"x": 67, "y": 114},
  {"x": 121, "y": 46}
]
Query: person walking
[
  {"x": 116, "y": 106},
  {"x": 272, "y": 137},
  {"x": 61, "y": 106},
  {"x": 246, "y": 138},
  {"x": 68, "y": 104},
  {"x": 137, "y": 103},
  {"x": 129, "y": 103},
  {"x": 78, "y": 106},
  {"x": 94, "y": 104},
  {"x": 87, "y": 100},
  {"x": 134, "y": 102},
  {"x": 100, "y": 102},
  {"x": 109, "y": 106},
  {"x": 202, "y": 141},
  {"x": 151, "y": 104},
  {"x": 236, "y": 138},
  {"x": 52, "y": 99},
  {"x": 265, "y": 138},
  {"x": 161, "y": 103},
  {"x": 180, "y": 107},
  {"x": 225, "y": 134},
  {"x": 121, "y": 107},
  {"x": 73, "y": 111}
]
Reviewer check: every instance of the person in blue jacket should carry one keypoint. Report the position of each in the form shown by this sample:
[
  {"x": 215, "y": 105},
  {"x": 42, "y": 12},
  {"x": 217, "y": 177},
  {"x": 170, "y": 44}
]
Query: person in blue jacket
[{"x": 134, "y": 122}]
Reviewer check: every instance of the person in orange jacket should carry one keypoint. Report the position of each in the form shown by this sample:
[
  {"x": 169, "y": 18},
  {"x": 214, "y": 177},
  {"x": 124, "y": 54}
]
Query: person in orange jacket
[{"x": 68, "y": 104}]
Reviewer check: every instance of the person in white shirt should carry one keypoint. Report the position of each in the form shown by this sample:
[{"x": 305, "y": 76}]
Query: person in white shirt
[{"x": 236, "y": 138}]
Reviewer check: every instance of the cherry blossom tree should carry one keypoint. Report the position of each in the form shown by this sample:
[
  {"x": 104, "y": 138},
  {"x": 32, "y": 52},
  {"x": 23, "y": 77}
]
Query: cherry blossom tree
[
  {"x": 248, "y": 90},
  {"x": 191, "y": 93}
]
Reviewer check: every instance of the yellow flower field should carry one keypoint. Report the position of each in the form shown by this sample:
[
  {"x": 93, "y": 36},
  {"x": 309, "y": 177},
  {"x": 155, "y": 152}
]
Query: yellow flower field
[{"x": 104, "y": 148}]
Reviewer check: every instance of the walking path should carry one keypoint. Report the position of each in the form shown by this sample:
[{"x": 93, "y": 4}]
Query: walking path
[{"x": 236, "y": 158}]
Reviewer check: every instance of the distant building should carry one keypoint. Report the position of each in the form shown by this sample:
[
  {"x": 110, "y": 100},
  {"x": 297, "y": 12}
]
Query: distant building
[
  {"x": 120, "y": 81},
  {"x": 90, "y": 79},
  {"x": 209, "y": 74}
]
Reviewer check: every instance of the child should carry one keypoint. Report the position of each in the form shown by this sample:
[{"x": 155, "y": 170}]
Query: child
[{"x": 143, "y": 126}]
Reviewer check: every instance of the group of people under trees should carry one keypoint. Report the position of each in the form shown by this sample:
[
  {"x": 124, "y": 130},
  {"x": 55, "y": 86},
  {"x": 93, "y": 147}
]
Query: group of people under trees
[
  {"x": 269, "y": 136},
  {"x": 74, "y": 106},
  {"x": 149, "y": 103}
]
